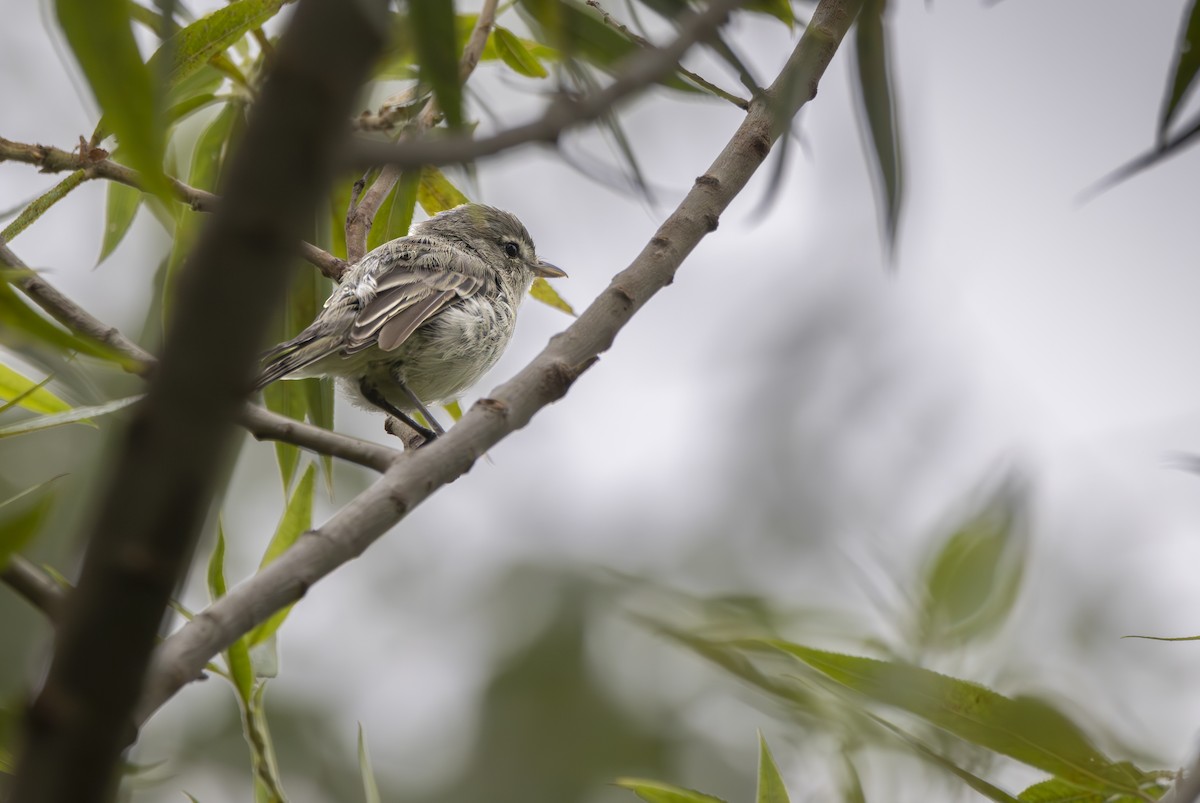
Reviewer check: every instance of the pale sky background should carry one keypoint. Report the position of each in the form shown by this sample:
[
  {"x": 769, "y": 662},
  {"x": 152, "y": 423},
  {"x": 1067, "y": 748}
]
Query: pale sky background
[{"x": 787, "y": 374}]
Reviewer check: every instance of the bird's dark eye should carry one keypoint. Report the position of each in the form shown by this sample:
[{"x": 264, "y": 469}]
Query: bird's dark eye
[{"x": 512, "y": 249}]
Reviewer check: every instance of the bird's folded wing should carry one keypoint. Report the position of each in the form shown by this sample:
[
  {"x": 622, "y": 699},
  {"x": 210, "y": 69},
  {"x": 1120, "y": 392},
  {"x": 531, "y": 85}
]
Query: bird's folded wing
[{"x": 407, "y": 297}]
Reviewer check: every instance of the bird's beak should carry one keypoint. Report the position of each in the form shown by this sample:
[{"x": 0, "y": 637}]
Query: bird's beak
[{"x": 548, "y": 271}]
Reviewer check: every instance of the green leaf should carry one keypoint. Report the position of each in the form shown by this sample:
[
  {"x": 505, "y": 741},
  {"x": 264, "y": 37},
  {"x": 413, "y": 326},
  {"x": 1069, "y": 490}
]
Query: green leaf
[
  {"x": 770, "y": 784},
  {"x": 370, "y": 787},
  {"x": 543, "y": 292},
  {"x": 1023, "y": 728},
  {"x": 515, "y": 54},
  {"x": 20, "y": 522},
  {"x": 877, "y": 105},
  {"x": 1187, "y": 64},
  {"x": 395, "y": 216},
  {"x": 22, "y": 322},
  {"x": 972, "y": 582},
  {"x": 779, "y": 9},
  {"x": 40, "y": 204},
  {"x": 658, "y": 792},
  {"x": 212, "y": 148},
  {"x": 287, "y": 398},
  {"x": 436, "y": 194},
  {"x": 69, "y": 417},
  {"x": 296, "y": 520},
  {"x": 453, "y": 409},
  {"x": 216, "y": 566},
  {"x": 437, "y": 51},
  {"x": 101, "y": 38},
  {"x": 193, "y": 46},
  {"x": 16, "y": 389},
  {"x": 121, "y": 207}
]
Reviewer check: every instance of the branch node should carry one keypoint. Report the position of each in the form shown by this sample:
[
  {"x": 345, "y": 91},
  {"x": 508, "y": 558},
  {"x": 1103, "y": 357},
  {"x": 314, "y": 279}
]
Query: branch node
[{"x": 708, "y": 180}]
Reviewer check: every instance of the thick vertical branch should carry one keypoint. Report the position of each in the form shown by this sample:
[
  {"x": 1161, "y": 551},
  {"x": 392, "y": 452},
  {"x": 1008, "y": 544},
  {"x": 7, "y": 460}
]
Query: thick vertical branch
[{"x": 164, "y": 469}]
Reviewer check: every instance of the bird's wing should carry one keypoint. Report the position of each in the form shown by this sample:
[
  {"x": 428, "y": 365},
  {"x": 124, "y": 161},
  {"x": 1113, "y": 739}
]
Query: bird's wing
[{"x": 418, "y": 282}]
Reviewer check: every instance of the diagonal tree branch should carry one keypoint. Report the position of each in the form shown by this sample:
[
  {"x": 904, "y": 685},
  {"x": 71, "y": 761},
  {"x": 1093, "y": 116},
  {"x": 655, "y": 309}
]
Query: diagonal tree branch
[
  {"x": 38, "y": 589},
  {"x": 640, "y": 69},
  {"x": 412, "y": 478},
  {"x": 166, "y": 466}
]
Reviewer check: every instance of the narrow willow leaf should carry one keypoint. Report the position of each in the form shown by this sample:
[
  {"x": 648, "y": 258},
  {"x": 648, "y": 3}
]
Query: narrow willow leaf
[
  {"x": 18, "y": 320},
  {"x": 39, "y": 205},
  {"x": 852, "y": 788},
  {"x": 437, "y": 52},
  {"x": 296, "y": 520},
  {"x": 543, "y": 292},
  {"x": 370, "y": 787},
  {"x": 395, "y": 216},
  {"x": 31, "y": 395},
  {"x": 216, "y": 566},
  {"x": 877, "y": 105},
  {"x": 69, "y": 417},
  {"x": 1187, "y": 64},
  {"x": 658, "y": 792},
  {"x": 120, "y": 209},
  {"x": 436, "y": 194},
  {"x": 514, "y": 53},
  {"x": 770, "y": 784},
  {"x": 286, "y": 398},
  {"x": 453, "y": 409},
  {"x": 190, "y": 105},
  {"x": 1026, "y": 729},
  {"x": 779, "y": 9},
  {"x": 101, "y": 39},
  {"x": 193, "y": 46},
  {"x": 20, "y": 522}
]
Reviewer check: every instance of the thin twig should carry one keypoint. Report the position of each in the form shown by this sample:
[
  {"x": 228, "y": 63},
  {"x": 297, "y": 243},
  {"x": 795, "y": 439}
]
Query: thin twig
[
  {"x": 266, "y": 425},
  {"x": 613, "y": 22},
  {"x": 34, "y": 585},
  {"x": 95, "y": 165},
  {"x": 411, "y": 479},
  {"x": 361, "y": 216},
  {"x": 640, "y": 70}
]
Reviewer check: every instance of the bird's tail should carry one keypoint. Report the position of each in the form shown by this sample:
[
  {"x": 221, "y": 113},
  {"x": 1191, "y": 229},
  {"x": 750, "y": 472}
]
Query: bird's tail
[{"x": 293, "y": 355}]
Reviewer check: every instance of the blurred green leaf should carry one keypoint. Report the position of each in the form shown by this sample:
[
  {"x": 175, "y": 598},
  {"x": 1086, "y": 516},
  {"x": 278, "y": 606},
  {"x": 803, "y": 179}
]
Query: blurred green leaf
[
  {"x": 1023, "y": 728},
  {"x": 513, "y": 52},
  {"x": 21, "y": 321},
  {"x": 1187, "y": 64},
  {"x": 101, "y": 38},
  {"x": 290, "y": 399},
  {"x": 543, "y": 292},
  {"x": 437, "y": 49},
  {"x": 1057, "y": 790},
  {"x": 658, "y": 792},
  {"x": 68, "y": 417},
  {"x": 852, "y": 788},
  {"x": 779, "y": 9},
  {"x": 121, "y": 207},
  {"x": 296, "y": 520},
  {"x": 453, "y": 409},
  {"x": 972, "y": 582},
  {"x": 16, "y": 389},
  {"x": 192, "y": 104},
  {"x": 370, "y": 787},
  {"x": 436, "y": 194},
  {"x": 20, "y": 519},
  {"x": 770, "y": 784},
  {"x": 395, "y": 216},
  {"x": 877, "y": 105},
  {"x": 216, "y": 567},
  {"x": 40, "y": 204}
]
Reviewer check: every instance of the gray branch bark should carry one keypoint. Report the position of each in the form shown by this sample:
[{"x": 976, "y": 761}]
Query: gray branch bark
[
  {"x": 416, "y": 475},
  {"x": 166, "y": 465}
]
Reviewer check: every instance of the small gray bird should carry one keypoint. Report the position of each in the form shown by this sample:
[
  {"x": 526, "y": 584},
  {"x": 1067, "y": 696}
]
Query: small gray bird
[{"x": 421, "y": 318}]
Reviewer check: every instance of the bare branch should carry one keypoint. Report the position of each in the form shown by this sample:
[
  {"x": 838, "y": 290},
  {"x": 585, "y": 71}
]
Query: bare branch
[
  {"x": 640, "y": 70},
  {"x": 165, "y": 467},
  {"x": 547, "y": 378},
  {"x": 362, "y": 215},
  {"x": 96, "y": 164},
  {"x": 37, "y": 587},
  {"x": 265, "y": 425}
]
